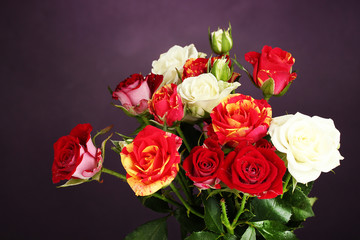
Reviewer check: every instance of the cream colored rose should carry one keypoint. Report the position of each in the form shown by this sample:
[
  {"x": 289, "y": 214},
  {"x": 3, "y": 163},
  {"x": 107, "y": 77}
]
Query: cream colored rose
[
  {"x": 311, "y": 144},
  {"x": 202, "y": 93},
  {"x": 173, "y": 59}
]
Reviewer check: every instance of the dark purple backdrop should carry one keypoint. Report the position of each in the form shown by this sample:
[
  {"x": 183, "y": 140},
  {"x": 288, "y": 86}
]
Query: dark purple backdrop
[{"x": 58, "y": 57}]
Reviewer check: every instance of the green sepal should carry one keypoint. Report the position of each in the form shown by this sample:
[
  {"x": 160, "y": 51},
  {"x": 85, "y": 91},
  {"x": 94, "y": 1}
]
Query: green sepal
[
  {"x": 124, "y": 110},
  {"x": 73, "y": 182},
  {"x": 203, "y": 235},
  {"x": 110, "y": 90},
  {"x": 156, "y": 229},
  {"x": 244, "y": 69},
  {"x": 101, "y": 132},
  {"x": 212, "y": 215},
  {"x": 268, "y": 88},
  {"x": 249, "y": 234},
  {"x": 284, "y": 90},
  {"x": 273, "y": 230},
  {"x": 116, "y": 148}
]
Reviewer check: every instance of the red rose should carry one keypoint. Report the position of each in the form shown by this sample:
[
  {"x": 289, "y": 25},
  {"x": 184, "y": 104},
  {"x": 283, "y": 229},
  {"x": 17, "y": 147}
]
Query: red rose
[
  {"x": 263, "y": 143},
  {"x": 240, "y": 117},
  {"x": 151, "y": 160},
  {"x": 166, "y": 105},
  {"x": 75, "y": 156},
  {"x": 274, "y": 64},
  {"x": 194, "y": 67},
  {"x": 135, "y": 91},
  {"x": 203, "y": 163},
  {"x": 256, "y": 171}
]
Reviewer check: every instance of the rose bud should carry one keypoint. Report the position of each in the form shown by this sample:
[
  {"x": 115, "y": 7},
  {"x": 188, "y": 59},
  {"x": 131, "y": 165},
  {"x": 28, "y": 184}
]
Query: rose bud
[
  {"x": 194, "y": 67},
  {"x": 151, "y": 160},
  {"x": 166, "y": 105},
  {"x": 221, "y": 70},
  {"x": 240, "y": 118},
  {"x": 272, "y": 70},
  {"x": 221, "y": 41},
  {"x": 133, "y": 93},
  {"x": 75, "y": 155},
  {"x": 256, "y": 171},
  {"x": 203, "y": 163}
]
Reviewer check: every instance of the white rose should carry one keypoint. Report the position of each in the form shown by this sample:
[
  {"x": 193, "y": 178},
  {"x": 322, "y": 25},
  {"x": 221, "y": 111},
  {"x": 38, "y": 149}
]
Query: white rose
[
  {"x": 311, "y": 144},
  {"x": 173, "y": 59},
  {"x": 204, "y": 92}
]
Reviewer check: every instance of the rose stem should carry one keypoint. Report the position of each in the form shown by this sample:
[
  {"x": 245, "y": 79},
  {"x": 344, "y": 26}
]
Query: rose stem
[
  {"x": 187, "y": 206},
  {"x": 180, "y": 132},
  {"x": 146, "y": 121},
  {"x": 157, "y": 195},
  {"x": 241, "y": 210},
  {"x": 181, "y": 180},
  {"x": 225, "y": 218},
  {"x": 116, "y": 174},
  {"x": 123, "y": 177}
]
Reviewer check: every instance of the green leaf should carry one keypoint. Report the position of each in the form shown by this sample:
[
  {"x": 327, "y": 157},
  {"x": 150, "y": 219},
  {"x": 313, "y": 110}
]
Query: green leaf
[
  {"x": 155, "y": 204},
  {"x": 273, "y": 230},
  {"x": 306, "y": 188},
  {"x": 203, "y": 235},
  {"x": 271, "y": 209},
  {"x": 212, "y": 215},
  {"x": 191, "y": 223},
  {"x": 153, "y": 230},
  {"x": 300, "y": 205},
  {"x": 249, "y": 234}
]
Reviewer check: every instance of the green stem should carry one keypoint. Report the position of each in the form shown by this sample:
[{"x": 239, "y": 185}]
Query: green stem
[
  {"x": 241, "y": 210},
  {"x": 187, "y": 206},
  {"x": 116, "y": 174},
  {"x": 181, "y": 180},
  {"x": 157, "y": 195},
  {"x": 180, "y": 132},
  {"x": 146, "y": 121},
  {"x": 225, "y": 217}
]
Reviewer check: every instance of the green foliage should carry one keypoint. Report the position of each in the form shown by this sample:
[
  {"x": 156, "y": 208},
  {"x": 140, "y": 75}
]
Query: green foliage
[
  {"x": 153, "y": 230},
  {"x": 203, "y": 235},
  {"x": 213, "y": 215},
  {"x": 155, "y": 204}
]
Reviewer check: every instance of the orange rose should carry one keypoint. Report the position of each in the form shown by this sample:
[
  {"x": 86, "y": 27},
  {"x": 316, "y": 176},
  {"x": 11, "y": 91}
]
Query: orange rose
[
  {"x": 151, "y": 160},
  {"x": 240, "y": 117}
]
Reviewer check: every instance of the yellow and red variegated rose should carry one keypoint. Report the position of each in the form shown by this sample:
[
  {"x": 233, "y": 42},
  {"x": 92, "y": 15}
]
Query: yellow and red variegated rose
[
  {"x": 151, "y": 160},
  {"x": 166, "y": 105},
  {"x": 194, "y": 67},
  {"x": 240, "y": 117}
]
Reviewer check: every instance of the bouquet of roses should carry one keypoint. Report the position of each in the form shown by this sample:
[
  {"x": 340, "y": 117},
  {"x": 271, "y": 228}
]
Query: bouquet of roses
[{"x": 214, "y": 159}]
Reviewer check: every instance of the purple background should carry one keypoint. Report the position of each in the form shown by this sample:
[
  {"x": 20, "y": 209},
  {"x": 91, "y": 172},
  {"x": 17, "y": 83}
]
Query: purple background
[{"x": 58, "y": 57}]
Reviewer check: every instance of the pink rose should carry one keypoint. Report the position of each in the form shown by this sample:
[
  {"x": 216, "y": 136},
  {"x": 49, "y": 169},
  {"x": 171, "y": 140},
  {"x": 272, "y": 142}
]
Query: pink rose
[
  {"x": 166, "y": 105},
  {"x": 75, "y": 156},
  {"x": 135, "y": 91}
]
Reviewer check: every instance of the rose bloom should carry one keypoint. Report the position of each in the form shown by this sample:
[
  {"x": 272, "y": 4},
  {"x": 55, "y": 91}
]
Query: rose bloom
[
  {"x": 272, "y": 63},
  {"x": 135, "y": 91},
  {"x": 75, "y": 155},
  {"x": 240, "y": 117},
  {"x": 194, "y": 67},
  {"x": 151, "y": 160},
  {"x": 256, "y": 171},
  {"x": 203, "y": 163},
  {"x": 310, "y": 143},
  {"x": 166, "y": 105},
  {"x": 173, "y": 59},
  {"x": 202, "y": 93}
]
